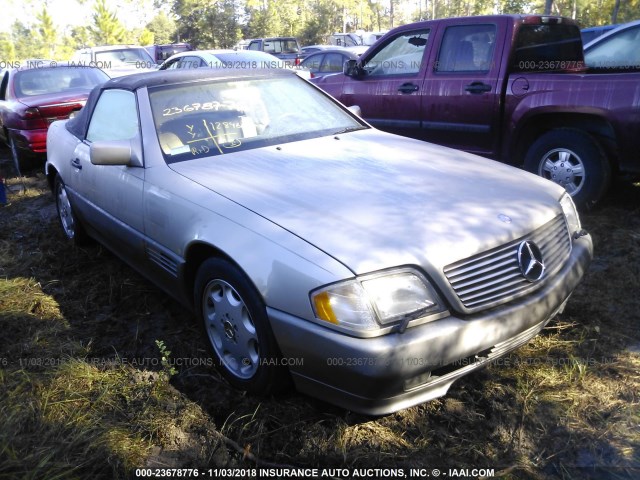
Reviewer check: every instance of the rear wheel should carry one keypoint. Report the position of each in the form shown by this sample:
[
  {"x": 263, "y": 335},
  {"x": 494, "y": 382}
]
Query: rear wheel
[
  {"x": 236, "y": 325},
  {"x": 71, "y": 226},
  {"x": 574, "y": 160}
]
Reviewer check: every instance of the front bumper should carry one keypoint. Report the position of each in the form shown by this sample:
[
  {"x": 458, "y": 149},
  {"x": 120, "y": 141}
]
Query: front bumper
[{"x": 384, "y": 374}]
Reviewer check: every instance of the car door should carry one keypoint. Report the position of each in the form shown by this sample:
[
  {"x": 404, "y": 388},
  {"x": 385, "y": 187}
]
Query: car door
[
  {"x": 461, "y": 102},
  {"x": 390, "y": 90},
  {"x": 111, "y": 195}
]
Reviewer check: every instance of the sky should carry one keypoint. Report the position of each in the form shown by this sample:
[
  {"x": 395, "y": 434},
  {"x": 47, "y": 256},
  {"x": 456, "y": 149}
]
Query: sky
[{"x": 133, "y": 13}]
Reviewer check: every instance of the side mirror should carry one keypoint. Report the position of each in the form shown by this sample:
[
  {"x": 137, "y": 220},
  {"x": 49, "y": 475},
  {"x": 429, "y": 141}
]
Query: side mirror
[
  {"x": 352, "y": 69},
  {"x": 117, "y": 152},
  {"x": 356, "y": 110}
]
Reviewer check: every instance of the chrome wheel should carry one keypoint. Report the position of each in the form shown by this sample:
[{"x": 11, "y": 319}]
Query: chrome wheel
[
  {"x": 231, "y": 329},
  {"x": 574, "y": 160},
  {"x": 64, "y": 212},
  {"x": 565, "y": 168}
]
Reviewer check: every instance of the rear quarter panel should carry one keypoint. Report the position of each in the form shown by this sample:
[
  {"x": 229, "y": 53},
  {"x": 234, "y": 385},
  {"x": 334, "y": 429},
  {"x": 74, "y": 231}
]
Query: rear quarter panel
[{"x": 606, "y": 105}]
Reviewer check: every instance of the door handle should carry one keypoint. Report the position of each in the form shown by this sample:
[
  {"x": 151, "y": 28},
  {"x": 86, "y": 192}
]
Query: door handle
[
  {"x": 75, "y": 163},
  {"x": 477, "y": 88},
  {"x": 408, "y": 87}
]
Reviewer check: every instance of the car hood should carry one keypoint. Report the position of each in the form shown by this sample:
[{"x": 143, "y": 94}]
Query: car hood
[{"x": 373, "y": 200}]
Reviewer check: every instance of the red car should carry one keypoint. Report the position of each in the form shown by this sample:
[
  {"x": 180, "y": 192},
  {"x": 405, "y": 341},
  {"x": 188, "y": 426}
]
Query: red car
[{"x": 35, "y": 93}]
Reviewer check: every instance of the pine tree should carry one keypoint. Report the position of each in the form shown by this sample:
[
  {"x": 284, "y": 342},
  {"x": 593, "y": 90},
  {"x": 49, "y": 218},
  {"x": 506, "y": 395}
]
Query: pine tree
[
  {"x": 106, "y": 28},
  {"x": 47, "y": 35}
]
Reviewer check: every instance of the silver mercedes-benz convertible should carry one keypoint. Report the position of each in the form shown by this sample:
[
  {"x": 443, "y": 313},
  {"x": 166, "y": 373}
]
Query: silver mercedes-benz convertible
[{"x": 370, "y": 270}]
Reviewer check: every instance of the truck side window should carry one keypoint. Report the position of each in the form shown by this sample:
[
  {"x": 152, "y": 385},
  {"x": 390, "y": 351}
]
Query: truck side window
[
  {"x": 548, "y": 47},
  {"x": 467, "y": 48},
  {"x": 401, "y": 56}
]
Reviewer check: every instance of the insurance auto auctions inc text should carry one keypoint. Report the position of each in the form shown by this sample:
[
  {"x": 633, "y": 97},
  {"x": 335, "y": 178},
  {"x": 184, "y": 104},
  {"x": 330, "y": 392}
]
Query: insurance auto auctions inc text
[{"x": 368, "y": 473}]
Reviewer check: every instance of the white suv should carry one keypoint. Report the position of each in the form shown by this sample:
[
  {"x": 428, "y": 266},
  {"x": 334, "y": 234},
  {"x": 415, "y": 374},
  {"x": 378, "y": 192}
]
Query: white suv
[{"x": 116, "y": 60}]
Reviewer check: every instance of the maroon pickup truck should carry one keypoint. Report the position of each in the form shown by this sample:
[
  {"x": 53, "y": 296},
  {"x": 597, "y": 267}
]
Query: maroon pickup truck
[{"x": 509, "y": 87}]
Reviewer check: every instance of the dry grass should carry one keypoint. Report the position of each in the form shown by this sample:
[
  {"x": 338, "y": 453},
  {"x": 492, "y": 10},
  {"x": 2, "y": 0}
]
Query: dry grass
[{"x": 84, "y": 393}]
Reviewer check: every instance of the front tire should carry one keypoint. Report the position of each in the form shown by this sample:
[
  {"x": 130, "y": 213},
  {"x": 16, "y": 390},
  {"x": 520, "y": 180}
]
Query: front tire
[
  {"x": 70, "y": 224},
  {"x": 236, "y": 326},
  {"x": 574, "y": 160}
]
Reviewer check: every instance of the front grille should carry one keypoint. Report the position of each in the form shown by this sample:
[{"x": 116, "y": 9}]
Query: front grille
[{"x": 494, "y": 277}]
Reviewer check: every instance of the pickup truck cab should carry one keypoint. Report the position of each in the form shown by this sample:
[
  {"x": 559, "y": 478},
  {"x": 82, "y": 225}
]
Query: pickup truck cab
[{"x": 509, "y": 87}]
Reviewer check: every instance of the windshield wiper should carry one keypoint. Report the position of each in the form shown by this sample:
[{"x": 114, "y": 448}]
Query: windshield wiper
[{"x": 350, "y": 129}]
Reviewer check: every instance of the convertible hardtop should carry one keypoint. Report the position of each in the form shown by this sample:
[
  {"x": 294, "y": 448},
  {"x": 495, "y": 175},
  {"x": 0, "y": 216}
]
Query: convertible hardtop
[{"x": 78, "y": 125}]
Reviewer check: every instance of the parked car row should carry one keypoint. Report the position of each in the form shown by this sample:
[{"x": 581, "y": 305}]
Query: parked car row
[
  {"x": 230, "y": 59},
  {"x": 614, "y": 51}
]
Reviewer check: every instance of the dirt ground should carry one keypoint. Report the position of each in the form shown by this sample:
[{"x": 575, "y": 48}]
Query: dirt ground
[{"x": 564, "y": 406}]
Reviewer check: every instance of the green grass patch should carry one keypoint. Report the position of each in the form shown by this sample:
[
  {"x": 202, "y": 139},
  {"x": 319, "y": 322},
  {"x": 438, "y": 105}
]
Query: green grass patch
[{"x": 94, "y": 383}]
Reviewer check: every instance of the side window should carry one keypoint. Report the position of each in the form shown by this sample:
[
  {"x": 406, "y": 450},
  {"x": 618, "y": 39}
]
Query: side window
[
  {"x": 332, "y": 62},
  {"x": 173, "y": 64},
  {"x": 547, "y": 47},
  {"x": 401, "y": 56},
  {"x": 467, "y": 48},
  {"x": 115, "y": 117},
  {"x": 313, "y": 62},
  {"x": 271, "y": 46},
  {"x": 190, "y": 62}
]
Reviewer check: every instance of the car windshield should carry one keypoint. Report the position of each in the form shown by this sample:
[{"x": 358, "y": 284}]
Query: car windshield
[
  {"x": 620, "y": 50},
  {"x": 41, "y": 81},
  {"x": 124, "y": 55},
  {"x": 196, "y": 120}
]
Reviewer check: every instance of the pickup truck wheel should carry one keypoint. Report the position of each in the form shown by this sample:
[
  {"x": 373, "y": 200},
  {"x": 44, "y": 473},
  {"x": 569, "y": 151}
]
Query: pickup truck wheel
[
  {"x": 236, "y": 326},
  {"x": 574, "y": 160},
  {"x": 71, "y": 226}
]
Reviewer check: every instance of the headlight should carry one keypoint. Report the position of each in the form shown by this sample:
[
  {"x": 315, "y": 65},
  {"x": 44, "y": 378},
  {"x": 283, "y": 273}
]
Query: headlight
[
  {"x": 571, "y": 214},
  {"x": 370, "y": 303}
]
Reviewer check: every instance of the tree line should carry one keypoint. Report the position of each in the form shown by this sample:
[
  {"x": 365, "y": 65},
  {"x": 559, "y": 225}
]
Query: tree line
[{"x": 223, "y": 23}]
